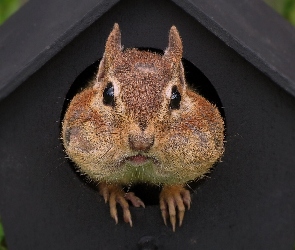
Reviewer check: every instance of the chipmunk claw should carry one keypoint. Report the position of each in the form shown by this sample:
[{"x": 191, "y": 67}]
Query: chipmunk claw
[
  {"x": 136, "y": 202},
  {"x": 173, "y": 199},
  {"x": 114, "y": 194}
]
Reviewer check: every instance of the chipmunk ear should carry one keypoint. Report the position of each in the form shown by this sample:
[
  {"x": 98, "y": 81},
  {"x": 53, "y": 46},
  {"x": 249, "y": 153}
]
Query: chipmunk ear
[
  {"x": 113, "y": 44},
  {"x": 174, "y": 51},
  {"x": 112, "y": 48}
]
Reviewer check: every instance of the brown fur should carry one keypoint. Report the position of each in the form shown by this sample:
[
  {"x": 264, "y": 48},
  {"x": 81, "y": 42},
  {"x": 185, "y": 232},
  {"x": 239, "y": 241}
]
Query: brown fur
[{"x": 186, "y": 142}]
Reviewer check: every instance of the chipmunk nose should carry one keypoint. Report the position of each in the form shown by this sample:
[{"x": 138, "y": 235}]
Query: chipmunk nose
[{"x": 141, "y": 142}]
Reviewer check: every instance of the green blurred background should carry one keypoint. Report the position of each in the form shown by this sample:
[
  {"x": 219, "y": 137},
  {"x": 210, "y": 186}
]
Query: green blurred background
[
  {"x": 285, "y": 7},
  {"x": 7, "y": 7}
]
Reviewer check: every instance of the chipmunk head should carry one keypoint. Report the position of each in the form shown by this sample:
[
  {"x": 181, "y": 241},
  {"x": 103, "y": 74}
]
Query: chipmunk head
[
  {"x": 141, "y": 86},
  {"x": 139, "y": 122}
]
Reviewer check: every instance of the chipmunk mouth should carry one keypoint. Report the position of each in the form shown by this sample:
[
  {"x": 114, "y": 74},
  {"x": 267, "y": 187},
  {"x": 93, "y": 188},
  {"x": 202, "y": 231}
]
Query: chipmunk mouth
[
  {"x": 140, "y": 159},
  {"x": 137, "y": 159}
]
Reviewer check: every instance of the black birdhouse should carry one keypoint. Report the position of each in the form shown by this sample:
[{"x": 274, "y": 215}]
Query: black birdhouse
[{"x": 240, "y": 55}]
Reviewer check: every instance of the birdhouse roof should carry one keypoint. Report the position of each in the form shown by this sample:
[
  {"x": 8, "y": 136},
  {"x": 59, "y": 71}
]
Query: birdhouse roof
[{"x": 36, "y": 33}]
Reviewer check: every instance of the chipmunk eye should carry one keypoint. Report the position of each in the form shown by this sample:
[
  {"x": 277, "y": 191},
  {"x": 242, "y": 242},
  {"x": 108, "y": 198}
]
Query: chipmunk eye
[
  {"x": 108, "y": 95},
  {"x": 175, "y": 98}
]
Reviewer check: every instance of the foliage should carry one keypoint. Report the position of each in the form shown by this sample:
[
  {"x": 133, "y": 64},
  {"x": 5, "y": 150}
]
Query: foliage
[
  {"x": 284, "y": 7},
  {"x": 2, "y": 239},
  {"x": 7, "y": 8},
  {"x": 289, "y": 11}
]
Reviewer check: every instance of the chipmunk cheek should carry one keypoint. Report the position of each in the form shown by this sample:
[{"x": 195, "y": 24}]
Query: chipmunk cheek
[{"x": 74, "y": 139}]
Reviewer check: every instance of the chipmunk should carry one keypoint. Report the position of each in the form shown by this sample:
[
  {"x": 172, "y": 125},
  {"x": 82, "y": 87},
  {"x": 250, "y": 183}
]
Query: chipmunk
[{"x": 139, "y": 122}]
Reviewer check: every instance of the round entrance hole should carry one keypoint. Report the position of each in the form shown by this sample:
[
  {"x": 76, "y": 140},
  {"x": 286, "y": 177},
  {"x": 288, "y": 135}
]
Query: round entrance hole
[{"x": 196, "y": 81}]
